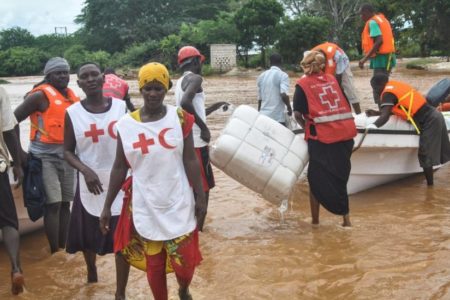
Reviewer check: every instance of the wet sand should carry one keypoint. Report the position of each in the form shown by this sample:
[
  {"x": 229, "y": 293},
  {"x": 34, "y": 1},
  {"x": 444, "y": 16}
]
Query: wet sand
[{"x": 398, "y": 248}]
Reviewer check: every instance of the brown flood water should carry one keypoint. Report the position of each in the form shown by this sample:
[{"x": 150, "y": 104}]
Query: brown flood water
[{"x": 398, "y": 247}]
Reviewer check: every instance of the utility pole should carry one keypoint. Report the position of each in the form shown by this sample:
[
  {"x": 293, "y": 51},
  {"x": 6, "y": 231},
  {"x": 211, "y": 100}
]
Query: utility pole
[{"x": 61, "y": 31}]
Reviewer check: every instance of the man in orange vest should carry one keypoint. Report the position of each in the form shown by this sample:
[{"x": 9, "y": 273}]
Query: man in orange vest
[
  {"x": 402, "y": 100},
  {"x": 46, "y": 106},
  {"x": 338, "y": 65},
  {"x": 377, "y": 42},
  {"x": 116, "y": 87}
]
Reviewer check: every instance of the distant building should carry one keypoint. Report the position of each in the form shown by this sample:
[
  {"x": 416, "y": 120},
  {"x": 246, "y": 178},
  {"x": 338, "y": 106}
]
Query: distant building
[{"x": 223, "y": 56}]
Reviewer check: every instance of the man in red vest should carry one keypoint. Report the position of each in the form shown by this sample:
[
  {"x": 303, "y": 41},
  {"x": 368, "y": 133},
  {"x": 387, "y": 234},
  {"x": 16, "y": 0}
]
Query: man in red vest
[
  {"x": 377, "y": 43},
  {"x": 116, "y": 87}
]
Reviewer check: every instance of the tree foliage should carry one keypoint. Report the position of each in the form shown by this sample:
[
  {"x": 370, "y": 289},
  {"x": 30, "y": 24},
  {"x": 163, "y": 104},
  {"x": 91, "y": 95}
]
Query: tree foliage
[
  {"x": 257, "y": 22},
  {"x": 301, "y": 34},
  {"x": 15, "y": 37},
  {"x": 18, "y": 61},
  {"x": 113, "y": 24}
]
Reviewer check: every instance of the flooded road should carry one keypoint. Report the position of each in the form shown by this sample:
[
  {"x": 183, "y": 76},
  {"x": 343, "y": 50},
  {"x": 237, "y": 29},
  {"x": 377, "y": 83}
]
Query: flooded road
[{"x": 398, "y": 247}]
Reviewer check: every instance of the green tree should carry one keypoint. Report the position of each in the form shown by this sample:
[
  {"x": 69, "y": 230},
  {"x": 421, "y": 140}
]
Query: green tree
[
  {"x": 19, "y": 61},
  {"x": 257, "y": 22},
  {"x": 301, "y": 34},
  {"x": 54, "y": 44},
  {"x": 76, "y": 55},
  {"x": 15, "y": 37},
  {"x": 112, "y": 25}
]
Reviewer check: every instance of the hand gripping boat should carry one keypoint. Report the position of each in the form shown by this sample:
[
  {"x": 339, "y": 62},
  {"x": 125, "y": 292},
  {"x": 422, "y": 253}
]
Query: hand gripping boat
[{"x": 260, "y": 153}]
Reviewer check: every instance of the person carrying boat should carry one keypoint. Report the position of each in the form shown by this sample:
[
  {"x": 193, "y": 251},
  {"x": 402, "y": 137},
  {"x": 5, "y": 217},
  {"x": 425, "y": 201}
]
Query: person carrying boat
[
  {"x": 338, "y": 65},
  {"x": 90, "y": 142},
  {"x": 189, "y": 95},
  {"x": 324, "y": 112},
  {"x": 46, "y": 106},
  {"x": 377, "y": 42},
  {"x": 9, "y": 224},
  {"x": 404, "y": 101},
  {"x": 160, "y": 218}
]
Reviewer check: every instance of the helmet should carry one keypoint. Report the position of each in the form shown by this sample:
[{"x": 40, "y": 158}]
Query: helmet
[{"x": 187, "y": 52}]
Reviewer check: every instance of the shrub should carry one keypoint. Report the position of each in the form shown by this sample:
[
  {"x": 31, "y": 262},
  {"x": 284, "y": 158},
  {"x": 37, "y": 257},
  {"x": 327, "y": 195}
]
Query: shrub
[{"x": 18, "y": 61}]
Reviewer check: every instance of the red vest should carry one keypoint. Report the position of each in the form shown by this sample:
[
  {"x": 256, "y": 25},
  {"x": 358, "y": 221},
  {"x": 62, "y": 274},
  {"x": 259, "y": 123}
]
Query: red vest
[
  {"x": 329, "y": 111},
  {"x": 114, "y": 86}
]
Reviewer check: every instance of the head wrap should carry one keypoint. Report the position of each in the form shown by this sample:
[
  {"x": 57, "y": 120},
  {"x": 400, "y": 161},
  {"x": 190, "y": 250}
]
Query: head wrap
[
  {"x": 56, "y": 64},
  {"x": 312, "y": 62},
  {"x": 154, "y": 71}
]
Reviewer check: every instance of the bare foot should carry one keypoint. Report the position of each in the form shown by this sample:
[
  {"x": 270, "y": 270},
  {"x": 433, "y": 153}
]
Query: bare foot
[
  {"x": 184, "y": 294},
  {"x": 92, "y": 275},
  {"x": 346, "y": 221},
  {"x": 17, "y": 282},
  {"x": 119, "y": 297}
]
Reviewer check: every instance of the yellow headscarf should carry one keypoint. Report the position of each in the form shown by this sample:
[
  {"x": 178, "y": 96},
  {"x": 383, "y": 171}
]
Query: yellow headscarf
[
  {"x": 153, "y": 71},
  {"x": 312, "y": 62}
]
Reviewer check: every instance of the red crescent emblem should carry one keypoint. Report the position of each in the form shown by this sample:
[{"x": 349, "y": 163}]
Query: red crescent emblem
[
  {"x": 111, "y": 130},
  {"x": 162, "y": 141}
]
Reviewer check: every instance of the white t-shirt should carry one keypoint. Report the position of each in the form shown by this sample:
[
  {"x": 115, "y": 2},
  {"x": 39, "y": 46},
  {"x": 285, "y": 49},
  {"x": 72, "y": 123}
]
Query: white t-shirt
[
  {"x": 271, "y": 84},
  {"x": 7, "y": 122},
  {"x": 199, "y": 105}
]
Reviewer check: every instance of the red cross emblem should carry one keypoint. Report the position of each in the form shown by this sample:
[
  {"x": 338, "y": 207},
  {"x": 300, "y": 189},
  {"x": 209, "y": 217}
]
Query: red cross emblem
[
  {"x": 329, "y": 97},
  {"x": 94, "y": 133},
  {"x": 114, "y": 83},
  {"x": 143, "y": 143}
]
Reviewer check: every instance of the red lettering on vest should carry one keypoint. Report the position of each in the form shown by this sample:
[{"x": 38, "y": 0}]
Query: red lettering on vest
[
  {"x": 94, "y": 133},
  {"x": 111, "y": 130},
  {"x": 143, "y": 143},
  {"x": 329, "y": 97}
]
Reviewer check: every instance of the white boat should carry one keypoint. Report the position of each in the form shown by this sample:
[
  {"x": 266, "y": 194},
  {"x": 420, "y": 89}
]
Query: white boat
[
  {"x": 385, "y": 154},
  {"x": 382, "y": 155}
]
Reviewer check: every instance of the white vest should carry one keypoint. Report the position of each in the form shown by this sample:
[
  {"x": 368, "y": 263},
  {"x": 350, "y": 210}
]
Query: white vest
[
  {"x": 163, "y": 201},
  {"x": 96, "y": 137},
  {"x": 199, "y": 105}
]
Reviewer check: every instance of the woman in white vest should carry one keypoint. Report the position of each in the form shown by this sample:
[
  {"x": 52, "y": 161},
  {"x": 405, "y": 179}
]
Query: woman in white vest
[
  {"x": 160, "y": 217},
  {"x": 90, "y": 141}
]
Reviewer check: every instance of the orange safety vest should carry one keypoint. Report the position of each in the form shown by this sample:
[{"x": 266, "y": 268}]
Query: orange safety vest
[
  {"x": 52, "y": 131},
  {"x": 329, "y": 49},
  {"x": 329, "y": 111},
  {"x": 409, "y": 100},
  {"x": 114, "y": 86},
  {"x": 388, "y": 45}
]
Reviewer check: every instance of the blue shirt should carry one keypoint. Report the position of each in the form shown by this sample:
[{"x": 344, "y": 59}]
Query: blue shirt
[{"x": 271, "y": 84}]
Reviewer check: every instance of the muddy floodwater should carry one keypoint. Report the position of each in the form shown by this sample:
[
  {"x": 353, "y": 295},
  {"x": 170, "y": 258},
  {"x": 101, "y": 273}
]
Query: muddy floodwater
[{"x": 398, "y": 247}]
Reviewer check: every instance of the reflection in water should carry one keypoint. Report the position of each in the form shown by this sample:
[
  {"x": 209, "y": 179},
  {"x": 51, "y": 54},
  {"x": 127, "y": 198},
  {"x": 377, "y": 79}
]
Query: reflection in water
[{"x": 398, "y": 247}]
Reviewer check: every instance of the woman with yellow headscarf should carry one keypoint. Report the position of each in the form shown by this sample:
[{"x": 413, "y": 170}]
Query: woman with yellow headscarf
[
  {"x": 158, "y": 227},
  {"x": 323, "y": 111}
]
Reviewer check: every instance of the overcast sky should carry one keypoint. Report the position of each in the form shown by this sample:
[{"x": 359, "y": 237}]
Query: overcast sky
[{"x": 40, "y": 16}]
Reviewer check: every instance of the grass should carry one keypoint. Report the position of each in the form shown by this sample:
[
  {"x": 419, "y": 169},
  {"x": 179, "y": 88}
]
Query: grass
[
  {"x": 3, "y": 81},
  {"x": 420, "y": 63}
]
